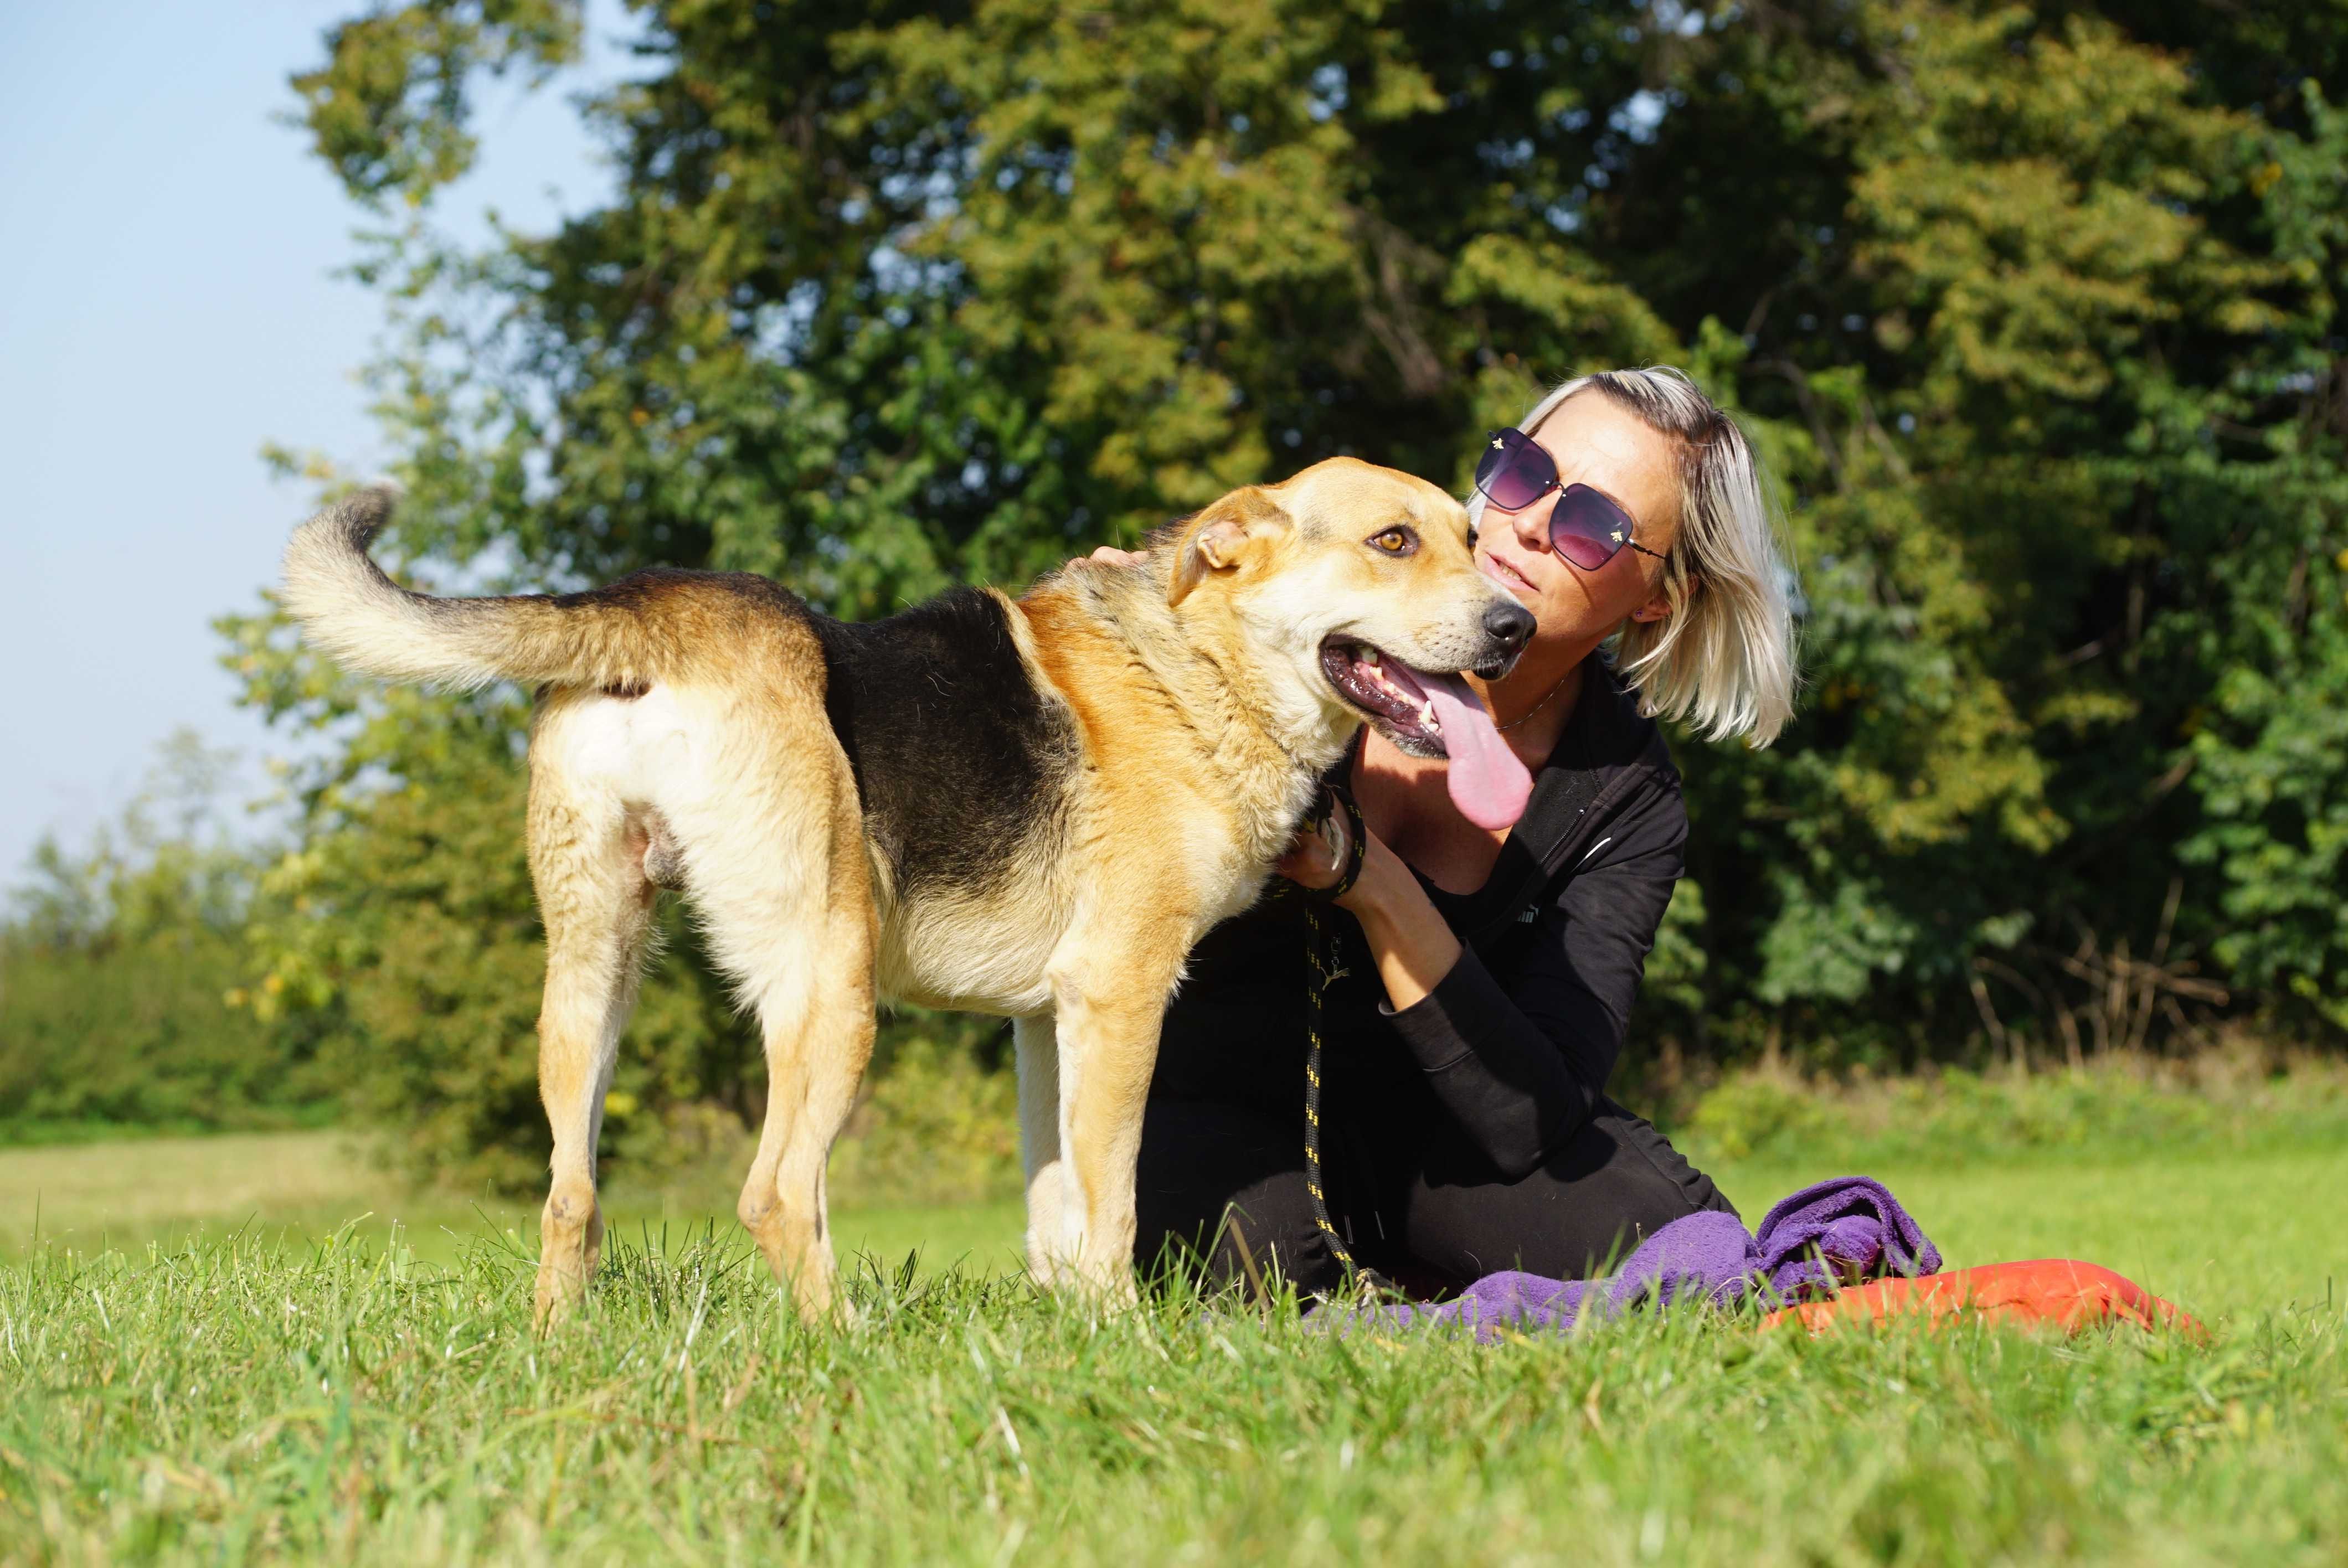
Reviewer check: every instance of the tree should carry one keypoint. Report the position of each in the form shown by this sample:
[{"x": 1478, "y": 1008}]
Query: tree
[{"x": 2032, "y": 309}]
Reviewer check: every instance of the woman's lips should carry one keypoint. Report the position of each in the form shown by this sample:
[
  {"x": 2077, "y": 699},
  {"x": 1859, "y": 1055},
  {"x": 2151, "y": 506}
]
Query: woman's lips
[{"x": 1508, "y": 576}]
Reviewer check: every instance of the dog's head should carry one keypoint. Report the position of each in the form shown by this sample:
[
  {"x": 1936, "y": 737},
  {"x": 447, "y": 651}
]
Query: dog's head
[{"x": 1357, "y": 596}]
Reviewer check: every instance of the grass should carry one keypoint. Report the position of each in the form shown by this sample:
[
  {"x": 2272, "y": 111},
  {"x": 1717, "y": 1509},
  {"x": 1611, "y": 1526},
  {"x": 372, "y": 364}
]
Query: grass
[
  {"x": 295, "y": 1189},
  {"x": 285, "y": 1391}
]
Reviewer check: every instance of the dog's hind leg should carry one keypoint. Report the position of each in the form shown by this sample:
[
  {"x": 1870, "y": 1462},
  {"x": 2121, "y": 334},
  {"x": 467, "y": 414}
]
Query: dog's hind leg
[
  {"x": 597, "y": 908},
  {"x": 779, "y": 872},
  {"x": 1055, "y": 1206},
  {"x": 818, "y": 1041}
]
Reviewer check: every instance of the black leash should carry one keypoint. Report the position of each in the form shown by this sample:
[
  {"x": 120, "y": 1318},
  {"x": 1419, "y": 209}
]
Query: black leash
[{"x": 1319, "y": 972}]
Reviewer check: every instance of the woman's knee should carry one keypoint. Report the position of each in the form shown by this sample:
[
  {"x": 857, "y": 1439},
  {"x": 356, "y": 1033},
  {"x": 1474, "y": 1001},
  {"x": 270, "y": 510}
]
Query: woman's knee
[
  {"x": 1220, "y": 1197},
  {"x": 1590, "y": 1204}
]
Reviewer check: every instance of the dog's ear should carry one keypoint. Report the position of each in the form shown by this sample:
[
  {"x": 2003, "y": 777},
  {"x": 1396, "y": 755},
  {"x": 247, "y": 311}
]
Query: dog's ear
[{"x": 1218, "y": 538}]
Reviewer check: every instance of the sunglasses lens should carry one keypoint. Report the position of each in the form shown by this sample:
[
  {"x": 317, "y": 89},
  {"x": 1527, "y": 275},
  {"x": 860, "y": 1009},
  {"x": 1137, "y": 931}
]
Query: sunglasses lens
[
  {"x": 1513, "y": 473},
  {"x": 1587, "y": 529}
]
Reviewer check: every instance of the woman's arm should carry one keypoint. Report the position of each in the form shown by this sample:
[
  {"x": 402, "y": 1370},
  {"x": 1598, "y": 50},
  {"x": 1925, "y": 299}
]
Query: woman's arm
[
  {"x": 1521, "y": 1067},
  {"x": 1415, "y": 948}
]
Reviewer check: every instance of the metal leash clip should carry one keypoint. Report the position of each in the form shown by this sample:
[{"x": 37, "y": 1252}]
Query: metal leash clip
[{"x": 1334, "y": 810}]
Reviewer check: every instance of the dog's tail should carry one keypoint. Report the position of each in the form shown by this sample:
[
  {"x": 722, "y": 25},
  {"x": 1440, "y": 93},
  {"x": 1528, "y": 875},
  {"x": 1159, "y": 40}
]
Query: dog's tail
[{"x": 350, "y": 610}]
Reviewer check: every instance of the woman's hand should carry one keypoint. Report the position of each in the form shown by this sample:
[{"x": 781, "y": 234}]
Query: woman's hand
[
  {"x": 1316, "y": 859},
  {"x": 1413, "y": 946}
]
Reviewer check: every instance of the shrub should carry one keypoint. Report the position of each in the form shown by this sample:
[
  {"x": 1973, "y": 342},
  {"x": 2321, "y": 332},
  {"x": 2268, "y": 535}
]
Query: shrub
[
  {"x": 936, "y": 1125},
  {"x": 120, "y": 971},
  {"x": 2120, "y": 1102}
]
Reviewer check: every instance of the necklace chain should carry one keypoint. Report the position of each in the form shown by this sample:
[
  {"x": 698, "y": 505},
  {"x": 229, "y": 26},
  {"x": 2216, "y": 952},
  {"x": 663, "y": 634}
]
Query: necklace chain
[{"x": 1537, "y": 707}]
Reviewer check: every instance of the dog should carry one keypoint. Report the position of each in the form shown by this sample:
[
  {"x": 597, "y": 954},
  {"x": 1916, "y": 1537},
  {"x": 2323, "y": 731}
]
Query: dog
[{"x": 1031, "y": 808}]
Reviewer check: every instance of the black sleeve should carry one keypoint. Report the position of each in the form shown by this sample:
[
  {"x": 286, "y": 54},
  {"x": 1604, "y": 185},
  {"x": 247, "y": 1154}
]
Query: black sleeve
[{"x": 1523, "y": 1066}]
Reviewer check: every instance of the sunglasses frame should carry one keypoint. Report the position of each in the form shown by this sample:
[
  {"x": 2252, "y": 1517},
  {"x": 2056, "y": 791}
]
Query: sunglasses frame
[{"x": 1499, "y": 438}]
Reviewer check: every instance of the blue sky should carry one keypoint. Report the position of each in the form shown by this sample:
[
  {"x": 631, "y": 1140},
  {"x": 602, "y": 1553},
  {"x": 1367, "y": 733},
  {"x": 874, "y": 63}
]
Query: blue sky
[{"x": 167, "y": 303}]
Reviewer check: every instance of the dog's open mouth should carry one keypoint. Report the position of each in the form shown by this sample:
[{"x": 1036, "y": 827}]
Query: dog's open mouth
[{"x": 1434, "y": 714}]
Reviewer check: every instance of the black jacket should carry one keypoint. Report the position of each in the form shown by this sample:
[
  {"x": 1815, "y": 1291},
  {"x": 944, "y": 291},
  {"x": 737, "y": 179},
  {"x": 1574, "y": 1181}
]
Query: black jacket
[{"x": 1508, "y": 1057}]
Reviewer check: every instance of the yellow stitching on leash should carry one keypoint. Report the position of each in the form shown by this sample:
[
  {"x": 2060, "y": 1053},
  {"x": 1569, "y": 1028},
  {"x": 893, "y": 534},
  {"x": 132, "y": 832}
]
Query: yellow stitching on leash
[{"x": 1321, "y": 975}]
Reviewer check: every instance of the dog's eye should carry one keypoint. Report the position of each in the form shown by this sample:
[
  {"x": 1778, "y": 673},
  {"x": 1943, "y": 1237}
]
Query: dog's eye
[{"x": 1395, "y": 541}]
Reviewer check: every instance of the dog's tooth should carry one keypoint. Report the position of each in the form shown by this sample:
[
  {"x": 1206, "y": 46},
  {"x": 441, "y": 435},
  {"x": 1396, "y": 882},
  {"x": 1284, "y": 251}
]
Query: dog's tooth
[
  {"x": 1370, "y": 657},
  {"x": 1426, "y": 716}
]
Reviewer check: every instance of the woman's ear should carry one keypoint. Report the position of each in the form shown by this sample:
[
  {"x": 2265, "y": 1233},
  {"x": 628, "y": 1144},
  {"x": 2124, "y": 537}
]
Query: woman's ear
[
  {"x": 1224, "y": 536},
  {"x": 1660, "y": 606}
]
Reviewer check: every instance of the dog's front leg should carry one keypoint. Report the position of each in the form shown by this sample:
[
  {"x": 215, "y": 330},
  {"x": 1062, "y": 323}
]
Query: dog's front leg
[{"x": 1109, "y": 1017}]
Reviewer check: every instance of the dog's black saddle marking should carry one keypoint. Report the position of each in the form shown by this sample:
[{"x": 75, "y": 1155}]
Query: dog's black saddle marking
[{"x": 960, "y": 761}]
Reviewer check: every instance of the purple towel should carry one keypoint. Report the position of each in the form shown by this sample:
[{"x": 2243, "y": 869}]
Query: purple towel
[
  {"x": 1836, "y": 1233},
  {"x": 1839, "y": 1233}
]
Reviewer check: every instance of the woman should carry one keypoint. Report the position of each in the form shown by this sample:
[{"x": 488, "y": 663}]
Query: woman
[{"x": 1488, "y": 978}]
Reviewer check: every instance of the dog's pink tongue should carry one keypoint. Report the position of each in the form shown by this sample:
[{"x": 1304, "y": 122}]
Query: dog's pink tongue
[{"x": 1488, "y": 785}]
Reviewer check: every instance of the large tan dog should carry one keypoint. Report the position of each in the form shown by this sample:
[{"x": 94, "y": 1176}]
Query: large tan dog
[{"x": 1029, "y": 808}]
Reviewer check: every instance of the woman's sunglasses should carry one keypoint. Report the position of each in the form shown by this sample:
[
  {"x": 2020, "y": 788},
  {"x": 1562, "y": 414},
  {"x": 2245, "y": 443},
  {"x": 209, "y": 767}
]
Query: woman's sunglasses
[{"x": 1585, "y": 529}]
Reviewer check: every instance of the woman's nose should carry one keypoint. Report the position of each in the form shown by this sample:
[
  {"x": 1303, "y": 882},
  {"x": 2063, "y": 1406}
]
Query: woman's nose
[{"x": 1532, "y": 525}]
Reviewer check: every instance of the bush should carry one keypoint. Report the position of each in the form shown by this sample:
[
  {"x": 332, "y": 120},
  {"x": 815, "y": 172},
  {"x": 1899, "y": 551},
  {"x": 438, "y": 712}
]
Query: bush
[
  {"x": 937, "y": 1126},
  {"x": 1945, "y": 1114},
  {"x": 139, "y": 1032},
  {"x": 120, "y": 974}
]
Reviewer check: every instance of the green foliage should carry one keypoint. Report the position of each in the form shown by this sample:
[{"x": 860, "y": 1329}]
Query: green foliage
[
  {"x": 389, "y": 109},
  {"x": 2033, "y": 309},
  {"x": 939, "y": 1129},
  {"x": 1949, "y": 1116},
  {"x": 120, "y": 972}
]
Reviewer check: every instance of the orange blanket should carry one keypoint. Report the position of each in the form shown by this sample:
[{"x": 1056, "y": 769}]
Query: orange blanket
[{"x": 2057, "y": 1290}]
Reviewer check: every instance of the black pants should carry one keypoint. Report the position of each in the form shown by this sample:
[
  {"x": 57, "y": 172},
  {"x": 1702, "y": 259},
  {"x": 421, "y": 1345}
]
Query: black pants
[{"x": 1221, "y": 1190}]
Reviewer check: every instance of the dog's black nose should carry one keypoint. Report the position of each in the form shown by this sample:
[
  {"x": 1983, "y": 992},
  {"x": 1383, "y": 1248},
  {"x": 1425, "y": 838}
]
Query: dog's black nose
[{"x": 1508, "y": 624}]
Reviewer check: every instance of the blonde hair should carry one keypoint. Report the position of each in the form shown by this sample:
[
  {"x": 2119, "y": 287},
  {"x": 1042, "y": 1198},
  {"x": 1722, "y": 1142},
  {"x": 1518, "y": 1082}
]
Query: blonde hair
[{"x": 1722, "y": 660}]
